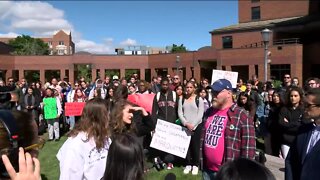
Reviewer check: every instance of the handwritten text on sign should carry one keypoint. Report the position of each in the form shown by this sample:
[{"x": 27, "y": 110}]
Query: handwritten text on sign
[
  {"x": 74, "y": 108},
  {"x": 229, "y": 75},
  {"x": 171, "y": 138}
]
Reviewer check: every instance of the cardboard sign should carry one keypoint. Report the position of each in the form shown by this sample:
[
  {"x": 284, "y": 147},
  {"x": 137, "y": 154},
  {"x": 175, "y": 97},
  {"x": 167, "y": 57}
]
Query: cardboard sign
[
  {"x": 50, "y": 108},
  {"x": 142, "y": 100},
  {"x": 171, "y": 138},
  {"x": 74, "y": 108},
  {"x": 229, "y": 75}
]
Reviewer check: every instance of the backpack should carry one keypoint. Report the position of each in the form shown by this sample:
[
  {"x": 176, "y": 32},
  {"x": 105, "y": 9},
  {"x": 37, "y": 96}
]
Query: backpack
[
  {"x": 196, "y": 99},
  {"x": 174, "y": 95}
]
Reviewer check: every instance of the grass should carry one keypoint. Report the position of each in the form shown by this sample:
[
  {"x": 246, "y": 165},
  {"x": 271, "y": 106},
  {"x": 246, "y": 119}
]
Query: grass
[
  {"x": 50, "y": 164},
  {"x": 48, "y": 160}
]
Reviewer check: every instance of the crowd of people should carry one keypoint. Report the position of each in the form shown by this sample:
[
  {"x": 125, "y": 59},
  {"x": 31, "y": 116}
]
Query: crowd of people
[{"x": 109, "y": 138}]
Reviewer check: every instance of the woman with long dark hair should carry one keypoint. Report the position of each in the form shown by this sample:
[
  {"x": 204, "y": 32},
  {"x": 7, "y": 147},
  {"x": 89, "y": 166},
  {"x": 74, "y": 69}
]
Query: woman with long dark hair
[
  {"x": 245, "y": 102},
  {"x": 203, "y": 93},
  {"x": 127, "y": 118},
  {"x": 125, "y": 159},
  {"x": 84, "y": 154},
  {"x": 273, "y": 124},
  {"x": 290, "y": 118}
]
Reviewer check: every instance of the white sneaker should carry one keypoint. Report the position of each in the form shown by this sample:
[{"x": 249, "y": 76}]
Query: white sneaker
[
  {"x": 195, "y": 170},
  {"x": 187, "y": 169}
]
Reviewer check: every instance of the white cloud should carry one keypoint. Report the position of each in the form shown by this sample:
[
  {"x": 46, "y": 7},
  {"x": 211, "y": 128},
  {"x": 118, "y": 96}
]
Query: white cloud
[
  {"x": 128, "y": 42},
  {"x": 95, "y": 48},
  {"x": 9, "y": 35},
  {"x": 37, "y": 17},
  {"x": 43, "y": 20}
]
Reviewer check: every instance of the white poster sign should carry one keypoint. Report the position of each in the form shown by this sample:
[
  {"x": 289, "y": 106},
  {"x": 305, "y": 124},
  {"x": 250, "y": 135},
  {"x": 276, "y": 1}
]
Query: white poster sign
[
  {"x": 229, "y": 75},
  {"x": 171, "y": 138}
]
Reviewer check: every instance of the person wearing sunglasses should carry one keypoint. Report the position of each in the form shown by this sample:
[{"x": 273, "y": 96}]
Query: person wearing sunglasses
[
  {"x": 286, "y": 85},
  {"x": 303, "y": 161},
  {"x": 228, "y": 131}
]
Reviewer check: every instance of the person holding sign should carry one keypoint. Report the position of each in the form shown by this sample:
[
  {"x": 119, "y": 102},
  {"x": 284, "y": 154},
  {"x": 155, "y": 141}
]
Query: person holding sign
[
  {"x": 52, "y": 112},
  {"x": 228, "y": 131},
  {"x": 190, "y": 111}
]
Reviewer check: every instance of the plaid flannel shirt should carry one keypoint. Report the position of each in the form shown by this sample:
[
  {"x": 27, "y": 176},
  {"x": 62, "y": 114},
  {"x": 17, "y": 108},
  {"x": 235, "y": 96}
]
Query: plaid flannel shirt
[{"x": 239, "y": 135}]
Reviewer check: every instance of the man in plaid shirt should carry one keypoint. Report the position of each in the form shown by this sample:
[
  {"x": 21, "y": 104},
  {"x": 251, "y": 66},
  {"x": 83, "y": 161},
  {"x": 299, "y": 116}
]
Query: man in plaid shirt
[{"x": 228, "y": 131}]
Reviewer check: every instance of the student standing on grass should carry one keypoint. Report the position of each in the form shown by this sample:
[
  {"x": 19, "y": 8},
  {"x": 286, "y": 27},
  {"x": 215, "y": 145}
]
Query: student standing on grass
[
  {"x": 84, "y": 154},
  {"x": 228, "y": 131},
  {"x": 190, "y": 111},
  {"x": 53, "y": 122}
]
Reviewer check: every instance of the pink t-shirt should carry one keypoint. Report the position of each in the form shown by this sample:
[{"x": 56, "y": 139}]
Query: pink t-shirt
[{"x": 214, "y": 139}]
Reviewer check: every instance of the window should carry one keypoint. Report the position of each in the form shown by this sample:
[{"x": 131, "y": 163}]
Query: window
[
  {"x": 254, "y": 1},
  {"x": 227, "y": 42},
  {"x": 255, "y": 13},
  {"x": 279, "y": 70},
  {"x": 60, "y": 52},
  {"x": 50, "y": 43},
  {"x": 61, "y": 43}
]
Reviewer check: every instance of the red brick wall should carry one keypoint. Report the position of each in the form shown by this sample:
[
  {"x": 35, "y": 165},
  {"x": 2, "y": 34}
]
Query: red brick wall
[
  {"x": 271, "y": 9},
  {"x": 239, "y": 38},
  {"x": 290, "y": 54}
]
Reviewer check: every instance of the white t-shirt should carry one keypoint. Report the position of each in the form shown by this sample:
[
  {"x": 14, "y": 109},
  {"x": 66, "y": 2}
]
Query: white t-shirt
[{"x": 79, "y": 159}]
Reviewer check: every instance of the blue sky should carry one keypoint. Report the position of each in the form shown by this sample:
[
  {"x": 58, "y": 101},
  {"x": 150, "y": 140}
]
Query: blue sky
[{"x": 100, "y": 26}]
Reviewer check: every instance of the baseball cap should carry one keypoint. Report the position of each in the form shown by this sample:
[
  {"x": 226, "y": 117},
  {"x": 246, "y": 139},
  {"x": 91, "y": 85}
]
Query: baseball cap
[
  {"x": 221, "y": 84},
  {"x": 115, "y": 77}
]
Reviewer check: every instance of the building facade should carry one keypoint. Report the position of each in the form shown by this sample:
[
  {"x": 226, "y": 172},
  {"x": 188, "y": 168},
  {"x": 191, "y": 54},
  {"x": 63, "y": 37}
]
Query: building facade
[
  {"x": 294, "y": 45},
  {"x": 142, "y": 50},
  {"x": 294, "y": 48},
  {"x": 59, "y": 44}
]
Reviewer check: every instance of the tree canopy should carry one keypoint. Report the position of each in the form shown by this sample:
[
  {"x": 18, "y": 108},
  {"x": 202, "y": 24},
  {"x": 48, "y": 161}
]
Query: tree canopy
[
  {"x": 178, "y": 49},
  {"x": 26, "y": 45}
]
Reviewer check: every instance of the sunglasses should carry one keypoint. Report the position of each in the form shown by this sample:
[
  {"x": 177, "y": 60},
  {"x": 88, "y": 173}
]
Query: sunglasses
[{"x": 286, "y": 77}]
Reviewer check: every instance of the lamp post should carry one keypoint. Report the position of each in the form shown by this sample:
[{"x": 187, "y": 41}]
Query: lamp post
[
  {"x": 177, "y": 64},
  {"x": 266, "y": 38}
]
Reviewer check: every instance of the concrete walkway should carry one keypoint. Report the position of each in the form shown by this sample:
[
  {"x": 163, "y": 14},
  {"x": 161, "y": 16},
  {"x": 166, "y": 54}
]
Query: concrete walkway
[{"x": 276, "y": 166}]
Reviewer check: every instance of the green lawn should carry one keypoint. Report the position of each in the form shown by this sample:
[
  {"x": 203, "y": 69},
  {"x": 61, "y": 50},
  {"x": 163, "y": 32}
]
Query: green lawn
[{"x": 50, "y": 164}]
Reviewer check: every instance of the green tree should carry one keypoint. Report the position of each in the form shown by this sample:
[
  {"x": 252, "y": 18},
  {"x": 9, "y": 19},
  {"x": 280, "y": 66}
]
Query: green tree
[
  {"x": 178, "y": 49},
  {"x": 83, "y": 70},
  {"x": 26, "y": 45}
]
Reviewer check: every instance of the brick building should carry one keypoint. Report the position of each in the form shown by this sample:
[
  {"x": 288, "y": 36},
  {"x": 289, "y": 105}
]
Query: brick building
[
  {"x": 294, "y": 47},
  {"x": 294, "y": 44},
  {"x": 59, "y": 44}
]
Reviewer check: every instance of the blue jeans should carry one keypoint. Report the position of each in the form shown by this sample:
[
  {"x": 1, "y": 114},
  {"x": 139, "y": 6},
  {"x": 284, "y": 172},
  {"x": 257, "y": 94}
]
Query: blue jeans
[
  {"x": 208, "y": 174},
  {"x": 71, "y": 120}
]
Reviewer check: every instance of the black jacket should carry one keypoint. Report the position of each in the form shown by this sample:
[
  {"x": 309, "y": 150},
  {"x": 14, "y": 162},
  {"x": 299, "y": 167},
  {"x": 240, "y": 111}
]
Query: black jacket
[
  {"x": 290, "y": 129},
  {"x": 165, "y": 108}
]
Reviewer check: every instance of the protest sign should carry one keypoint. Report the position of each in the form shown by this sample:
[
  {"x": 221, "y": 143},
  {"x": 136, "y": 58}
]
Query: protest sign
[
  {"x": 229, "y": 75},
  {"x": 171, "y": 138},
  {"x": 142, "y": 100},
  {"x": 74, "y": 108},
  {"x": 50, "y": 108}
]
